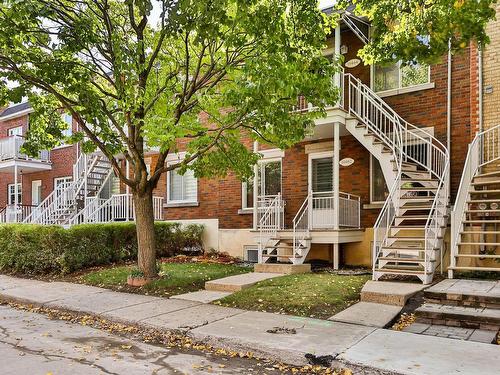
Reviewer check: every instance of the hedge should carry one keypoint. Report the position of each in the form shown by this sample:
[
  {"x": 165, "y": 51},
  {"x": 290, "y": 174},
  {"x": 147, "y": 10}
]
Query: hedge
[{"x": 49, "y": 249}]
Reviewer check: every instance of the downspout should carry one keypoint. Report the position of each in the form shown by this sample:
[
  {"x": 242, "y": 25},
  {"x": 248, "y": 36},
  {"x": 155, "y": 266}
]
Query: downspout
[
  {"x": 480, "y": 88},
  {"x": 448, "y": 109}
]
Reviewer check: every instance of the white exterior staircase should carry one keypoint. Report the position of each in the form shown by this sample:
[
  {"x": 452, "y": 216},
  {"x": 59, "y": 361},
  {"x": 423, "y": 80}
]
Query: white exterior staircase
[
  {"x": 408, "y": 234},
  {"x": 89, "y": 175},
  {"x": 409, "y": 231},
  {"x": 475, "y": 229}
]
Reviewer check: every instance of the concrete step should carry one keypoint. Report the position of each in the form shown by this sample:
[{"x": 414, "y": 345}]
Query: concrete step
[
  {"x": 203, "y": 296},
  {"x": 368, "y": 314},
  {"x": 459, "y": 316},
  {"x": 238, "y": 282}
]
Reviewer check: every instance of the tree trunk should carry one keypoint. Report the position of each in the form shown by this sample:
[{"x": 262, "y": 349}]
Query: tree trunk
[{"x": 144, "y": 218}]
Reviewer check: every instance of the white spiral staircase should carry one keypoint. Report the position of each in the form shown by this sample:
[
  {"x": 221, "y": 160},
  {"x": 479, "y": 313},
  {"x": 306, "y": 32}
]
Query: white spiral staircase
[
  {"x": 90, "y": 173},
  {"x": 408, "y": 234}
]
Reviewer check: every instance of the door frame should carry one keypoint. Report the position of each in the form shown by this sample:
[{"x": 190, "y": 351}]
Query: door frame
[{"x": 34, "y": 187}]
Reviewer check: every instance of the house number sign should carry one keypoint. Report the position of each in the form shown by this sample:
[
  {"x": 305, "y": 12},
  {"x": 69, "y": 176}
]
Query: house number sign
[
  {"x": 352, "y": 63},
  {"x": 346, "y": 162}
]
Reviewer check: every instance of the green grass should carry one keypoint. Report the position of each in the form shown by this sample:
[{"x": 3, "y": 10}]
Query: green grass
[
  {"x": 318, "y": 295},
  {"x": 180, "y": 277}
]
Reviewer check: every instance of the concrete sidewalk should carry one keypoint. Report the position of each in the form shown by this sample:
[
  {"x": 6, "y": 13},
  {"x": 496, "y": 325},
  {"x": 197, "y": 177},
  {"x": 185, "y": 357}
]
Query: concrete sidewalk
[{"x": 236, "y": 329}]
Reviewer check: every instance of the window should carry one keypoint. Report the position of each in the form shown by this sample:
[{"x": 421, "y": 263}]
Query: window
[
  {"x": 398, "y": 76},
  {"x": 322, "y": 174},
  {"x": 68, "y": 131},
  {"x": 36, "y": 192},
  {"x": 269, "y": 181},
  {"x": 378, "y": 187},
  {"x": 62, "y": 182},
  {"x": 68, "y": 119},
  {"x": 18, "y": 130},
  {"x": 182, "y": 188},
  {"x": 11, "y": 194}
]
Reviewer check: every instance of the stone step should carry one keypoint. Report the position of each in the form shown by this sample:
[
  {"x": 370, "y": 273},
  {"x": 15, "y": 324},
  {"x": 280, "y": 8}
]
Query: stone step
[
  {"x": 469, "y": 293},
  {"x": 459, "y": 316},
  {"x": 390, "y": 293},
  {"x": 282, "y": 268}
]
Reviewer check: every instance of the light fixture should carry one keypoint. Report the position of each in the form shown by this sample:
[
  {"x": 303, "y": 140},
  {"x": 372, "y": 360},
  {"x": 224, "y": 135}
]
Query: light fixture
[{"x": 344, "y": 49}]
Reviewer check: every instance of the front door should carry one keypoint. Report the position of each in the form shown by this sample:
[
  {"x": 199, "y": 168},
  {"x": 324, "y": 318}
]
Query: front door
[{"x": 321, "y": 186}]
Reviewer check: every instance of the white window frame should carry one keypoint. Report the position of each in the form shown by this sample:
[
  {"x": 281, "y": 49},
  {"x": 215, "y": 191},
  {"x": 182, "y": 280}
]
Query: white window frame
[
  {"x": 15, "y": 131},
  {"x": 64, "y": 179},
  {"x": 36, "y": 184},
  {"x": 11, "y": 199},
  {"x": 372, "y": 201},
  {"x": 177, "y": 201},
  {"x": 66, "y": 132},
  {"x": 401, "y": 90},
  {"x": 269, "y": 156}
]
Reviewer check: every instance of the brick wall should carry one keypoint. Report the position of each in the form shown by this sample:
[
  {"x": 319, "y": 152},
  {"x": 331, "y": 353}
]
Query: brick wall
[{"x": 491, "y": 75}]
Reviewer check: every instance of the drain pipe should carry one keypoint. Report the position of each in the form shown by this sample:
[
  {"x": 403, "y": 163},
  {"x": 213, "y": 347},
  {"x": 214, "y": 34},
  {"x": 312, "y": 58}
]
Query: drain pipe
[{"x": 448, "y": 110}]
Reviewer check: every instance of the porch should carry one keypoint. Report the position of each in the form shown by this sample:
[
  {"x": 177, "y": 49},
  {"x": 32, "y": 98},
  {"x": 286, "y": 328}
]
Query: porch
[{"x": 14, "y": 162}]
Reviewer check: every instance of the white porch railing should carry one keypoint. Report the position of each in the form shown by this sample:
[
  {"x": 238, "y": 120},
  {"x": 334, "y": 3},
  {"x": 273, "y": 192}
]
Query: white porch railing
[
  {"x": 318, "y": 212},
  {"x": 15, "y": 214},
  {"x": 10, "y": 149},
  {"x": 119, "y": 207},
  {"x": 484, "y": 149},
  {"x": 349, "y": 210},
  {"x": 270, "y": 213}
]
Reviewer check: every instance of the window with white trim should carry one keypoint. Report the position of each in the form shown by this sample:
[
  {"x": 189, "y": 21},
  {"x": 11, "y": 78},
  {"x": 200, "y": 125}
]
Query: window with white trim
[
  {"x": 68, "y": 131},
  {"x": 18, "y": 130},
  {"x": 398, "y": 76},
  {"x": 11, "y": 194},
  {"x": 182, "y": 188},
  {"x": 378, "y": 188},
  {"x": 62, "y": 182},
  {"x": 269, "y": 181}
]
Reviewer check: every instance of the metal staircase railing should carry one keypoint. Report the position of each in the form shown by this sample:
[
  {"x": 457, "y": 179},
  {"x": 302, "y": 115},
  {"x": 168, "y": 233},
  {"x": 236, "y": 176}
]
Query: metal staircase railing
[
  {"x": 409, "y": 144},
  {"x": 270, "y": 221},
  {"x": 483, "y": 150},
  {"x": 61, "y": 205}
]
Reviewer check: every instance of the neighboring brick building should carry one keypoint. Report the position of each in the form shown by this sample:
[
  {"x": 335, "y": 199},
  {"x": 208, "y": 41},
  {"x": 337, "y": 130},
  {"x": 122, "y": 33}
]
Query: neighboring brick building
[{"x": 225, "y": 206}]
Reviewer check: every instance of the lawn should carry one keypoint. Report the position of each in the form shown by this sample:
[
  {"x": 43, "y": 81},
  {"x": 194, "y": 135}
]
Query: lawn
[
  {"x": 318, "y": 295},
  {"x": 179, "y": 277}
]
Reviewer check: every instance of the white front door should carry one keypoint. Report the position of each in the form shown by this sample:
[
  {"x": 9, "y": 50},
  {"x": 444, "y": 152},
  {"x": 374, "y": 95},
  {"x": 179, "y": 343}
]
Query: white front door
[
  {"x": 36, "y": 192},
  {"x": 321, "y": 186}
]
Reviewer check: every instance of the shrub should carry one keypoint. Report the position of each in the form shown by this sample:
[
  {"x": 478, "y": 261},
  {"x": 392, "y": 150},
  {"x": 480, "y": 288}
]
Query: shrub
[{"x": 43, "y": 249}]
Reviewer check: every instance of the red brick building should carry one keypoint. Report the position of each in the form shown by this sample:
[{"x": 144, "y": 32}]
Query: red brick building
[{"x": 323, "y": 173}]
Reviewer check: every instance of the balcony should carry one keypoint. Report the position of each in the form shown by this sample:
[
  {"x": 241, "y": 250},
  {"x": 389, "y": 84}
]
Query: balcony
[{"x": 12, "y": 157}]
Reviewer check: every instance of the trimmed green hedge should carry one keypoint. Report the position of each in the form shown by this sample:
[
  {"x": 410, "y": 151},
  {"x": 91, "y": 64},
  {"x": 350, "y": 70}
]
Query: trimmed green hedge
[{"x": 42, "y": 249}]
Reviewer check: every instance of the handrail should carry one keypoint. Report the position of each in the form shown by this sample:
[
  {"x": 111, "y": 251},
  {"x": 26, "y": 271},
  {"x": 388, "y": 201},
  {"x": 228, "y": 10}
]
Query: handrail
[
  {"x": 301, "y": 221},
  {"x": 269, "y": 223},
  {"x": 483, "y": 150},
  {"x": 405, "y": 142}
]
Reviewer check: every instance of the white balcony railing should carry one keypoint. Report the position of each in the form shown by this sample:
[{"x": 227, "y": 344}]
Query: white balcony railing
[
  {"x": 10, "y": 149},
  {"x": 15, "y": 214}
]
